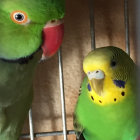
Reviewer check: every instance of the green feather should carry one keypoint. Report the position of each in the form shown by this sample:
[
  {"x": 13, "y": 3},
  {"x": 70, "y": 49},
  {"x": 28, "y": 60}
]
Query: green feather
[
  {"x": 112, "y": 121},
  {"x": 13, "y": 36},
  {"x": 21, "y": 41}
]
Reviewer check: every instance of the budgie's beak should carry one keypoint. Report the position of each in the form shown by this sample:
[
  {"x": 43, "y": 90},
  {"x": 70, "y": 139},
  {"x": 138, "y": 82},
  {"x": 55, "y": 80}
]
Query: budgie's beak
[
  {"x": 53, "y": 34},
  {"x": 96, "y": 80}
]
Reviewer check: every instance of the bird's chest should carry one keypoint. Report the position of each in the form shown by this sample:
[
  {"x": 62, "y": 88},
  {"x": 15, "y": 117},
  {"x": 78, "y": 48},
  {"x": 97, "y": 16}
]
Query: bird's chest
[
  {"x": 15, "y": 80},
  {"x": 104, "y": 122}
]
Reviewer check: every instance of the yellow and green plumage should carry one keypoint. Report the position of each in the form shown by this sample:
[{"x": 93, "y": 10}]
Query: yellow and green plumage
[{"x": 106, "y": 107}]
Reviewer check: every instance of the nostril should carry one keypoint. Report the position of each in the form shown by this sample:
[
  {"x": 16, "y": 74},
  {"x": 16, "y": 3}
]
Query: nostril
[
  {"x": 97, "y": 71},
  {"x": 89, "y": 72}
]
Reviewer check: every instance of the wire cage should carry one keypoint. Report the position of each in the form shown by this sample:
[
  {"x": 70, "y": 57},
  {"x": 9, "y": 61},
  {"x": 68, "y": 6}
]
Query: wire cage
[{"x": 32, "y": 135}]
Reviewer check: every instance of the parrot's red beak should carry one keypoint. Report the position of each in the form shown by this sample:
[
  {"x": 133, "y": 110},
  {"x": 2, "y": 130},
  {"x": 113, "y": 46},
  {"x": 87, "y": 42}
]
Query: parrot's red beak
[{"x": 53, "y": 34}]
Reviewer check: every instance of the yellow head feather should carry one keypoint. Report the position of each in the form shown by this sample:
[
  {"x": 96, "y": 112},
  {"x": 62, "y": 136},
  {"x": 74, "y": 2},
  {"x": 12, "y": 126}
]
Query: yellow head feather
[{"x": 105, "y": 65}]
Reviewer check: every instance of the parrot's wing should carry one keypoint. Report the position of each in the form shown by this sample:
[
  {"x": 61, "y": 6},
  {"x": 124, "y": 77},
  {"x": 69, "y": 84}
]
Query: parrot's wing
[{"x": 77, "y": 126}]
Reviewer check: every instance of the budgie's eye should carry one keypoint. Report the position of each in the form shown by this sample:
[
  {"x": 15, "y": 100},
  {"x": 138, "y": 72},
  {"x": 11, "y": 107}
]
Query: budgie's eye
[
  {"x": 19, "y": 17},
  {"x": 113, "y": 63}
]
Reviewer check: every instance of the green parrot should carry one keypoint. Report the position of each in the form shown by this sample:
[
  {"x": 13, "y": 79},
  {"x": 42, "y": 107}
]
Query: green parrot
[
  {"x": 106, "y": 107},
  {"x": 30, "y": 30}
]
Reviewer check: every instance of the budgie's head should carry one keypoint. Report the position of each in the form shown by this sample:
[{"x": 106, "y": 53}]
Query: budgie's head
[
  {"x": 25, "y": 25},
  {"x": 110, "y": 71}
]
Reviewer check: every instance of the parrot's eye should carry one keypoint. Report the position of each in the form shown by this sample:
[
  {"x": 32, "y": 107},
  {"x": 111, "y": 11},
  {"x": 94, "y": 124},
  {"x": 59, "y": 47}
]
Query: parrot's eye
[
  {"x": 19, "y": 17},
  {"x": 113, "y": 63}
]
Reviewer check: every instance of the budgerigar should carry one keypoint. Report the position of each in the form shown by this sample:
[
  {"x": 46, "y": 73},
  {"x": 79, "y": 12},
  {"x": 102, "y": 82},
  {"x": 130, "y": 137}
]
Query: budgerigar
[
  {"x": 26, "y": 26},
  {"x": 106, "y": 107}
]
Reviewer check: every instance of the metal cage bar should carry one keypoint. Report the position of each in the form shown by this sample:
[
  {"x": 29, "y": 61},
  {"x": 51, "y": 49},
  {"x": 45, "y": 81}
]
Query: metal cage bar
[
  {"x": 31, "y": 125},
  {"x": 92, "y": 29},
  {"x": 62, "y": 94},
  {"x": 45, "y": 134},
  {"x": 126, "y": 19},
  {"x": 66, "y": 132}
]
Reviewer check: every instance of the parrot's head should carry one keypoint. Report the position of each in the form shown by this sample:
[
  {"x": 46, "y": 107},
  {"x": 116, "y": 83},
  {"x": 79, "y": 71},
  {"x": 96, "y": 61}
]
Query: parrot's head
[
  {"x": 110, "y": 73},
  {"x": 27, "y": 25}
]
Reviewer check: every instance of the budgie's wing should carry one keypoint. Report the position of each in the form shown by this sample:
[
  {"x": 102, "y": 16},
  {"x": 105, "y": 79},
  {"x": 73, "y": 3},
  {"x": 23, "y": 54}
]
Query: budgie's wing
[
  {"x": 78, "y": 129},
  {"x": 81, "y": 137}
]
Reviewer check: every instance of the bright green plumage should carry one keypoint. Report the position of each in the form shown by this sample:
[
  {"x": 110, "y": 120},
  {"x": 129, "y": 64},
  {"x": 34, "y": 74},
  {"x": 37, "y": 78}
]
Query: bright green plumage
[
  {"x": 106, "y": 107},
  {"x": 19, "y": 55},
  {"x": 39, "y": 12}
]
